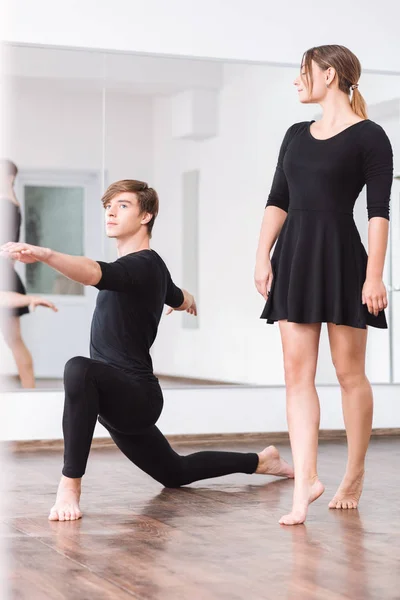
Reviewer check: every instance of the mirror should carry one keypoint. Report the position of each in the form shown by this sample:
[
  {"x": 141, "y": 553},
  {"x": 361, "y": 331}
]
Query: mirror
[
  {"x": 55, "y": 140},
  {"x": 206, "y": 136}
]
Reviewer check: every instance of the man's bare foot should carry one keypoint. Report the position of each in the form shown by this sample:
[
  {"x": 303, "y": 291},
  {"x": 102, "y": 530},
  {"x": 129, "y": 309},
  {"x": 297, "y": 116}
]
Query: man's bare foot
[
  {"x": 349, "y": 492},
  {"x": 270, "y": 463},
  {"x": 305, "y": 492},
  {"x": 66, "y": 507}
]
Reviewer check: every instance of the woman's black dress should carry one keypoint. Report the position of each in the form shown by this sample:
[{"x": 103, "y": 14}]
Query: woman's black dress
[
  {"x": 11, "y": 281},
  {"x": 319, "y": 262}
]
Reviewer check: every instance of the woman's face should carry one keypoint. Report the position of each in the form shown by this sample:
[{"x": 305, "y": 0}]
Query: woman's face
[{"x": 321, "y": 80}]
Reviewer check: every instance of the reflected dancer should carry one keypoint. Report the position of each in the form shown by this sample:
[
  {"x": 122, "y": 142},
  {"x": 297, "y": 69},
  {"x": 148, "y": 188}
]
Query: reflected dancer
[{"x": 10, "y": 280}]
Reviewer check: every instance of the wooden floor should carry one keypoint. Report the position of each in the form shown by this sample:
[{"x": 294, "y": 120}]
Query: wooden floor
[{"x": 218, "y": 539}]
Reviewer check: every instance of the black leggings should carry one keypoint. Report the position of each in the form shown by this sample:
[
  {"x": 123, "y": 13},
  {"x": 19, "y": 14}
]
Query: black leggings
[{"x": 129, "y": 410}]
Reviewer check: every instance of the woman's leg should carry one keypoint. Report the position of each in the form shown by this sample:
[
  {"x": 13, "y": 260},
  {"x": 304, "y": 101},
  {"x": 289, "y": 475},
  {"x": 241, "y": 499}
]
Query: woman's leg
[
  {"x": 152, "y": 453},
  {"x": 11, "y": 330},
  {"x": 348, "y": 346},
  {"x": 300, "y": 344}
]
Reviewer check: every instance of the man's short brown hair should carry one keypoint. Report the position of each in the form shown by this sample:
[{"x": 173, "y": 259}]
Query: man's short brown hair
[{"x": 147, "y": 197}]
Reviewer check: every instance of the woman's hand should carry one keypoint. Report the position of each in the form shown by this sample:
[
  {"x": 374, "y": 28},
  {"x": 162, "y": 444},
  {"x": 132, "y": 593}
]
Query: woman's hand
[
  {"x": 263, "y": 277},
  {"x": 35, "y": 301},
  {"x": 16, "y": 300},
  {"x": 25, "y": 253},
  {"x": 374, "y": 295}
]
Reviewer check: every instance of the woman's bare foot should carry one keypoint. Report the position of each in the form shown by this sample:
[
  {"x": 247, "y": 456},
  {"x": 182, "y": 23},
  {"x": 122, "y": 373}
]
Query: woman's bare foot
[
  {"x": 66, "y": 507},
  {"x": 270, "y": 463},
  {"x": 305, "y": 492},
  {"x": 349, "y": 492}
]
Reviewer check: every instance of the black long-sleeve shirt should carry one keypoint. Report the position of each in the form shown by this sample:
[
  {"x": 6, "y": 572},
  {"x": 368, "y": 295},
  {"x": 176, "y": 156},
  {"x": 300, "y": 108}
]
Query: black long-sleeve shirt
[{"x": 133, "y": 291}]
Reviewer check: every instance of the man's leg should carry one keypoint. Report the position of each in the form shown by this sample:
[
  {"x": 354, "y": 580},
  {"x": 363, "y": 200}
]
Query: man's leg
[
  {"x": 93, "y": 388},
  {"x": 81, "y": 408},
  {"x": 151, "y": 452}
]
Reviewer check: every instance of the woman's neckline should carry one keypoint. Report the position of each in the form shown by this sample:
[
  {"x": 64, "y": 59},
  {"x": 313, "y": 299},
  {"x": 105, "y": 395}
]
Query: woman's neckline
[{"x": 336, "y": 134}]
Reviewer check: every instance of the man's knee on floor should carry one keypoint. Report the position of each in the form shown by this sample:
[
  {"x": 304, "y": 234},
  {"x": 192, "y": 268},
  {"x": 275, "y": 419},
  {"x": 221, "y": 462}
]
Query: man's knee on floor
[
  {"x": 171, "y": 481},
  {"x": 178, "y": 476}
]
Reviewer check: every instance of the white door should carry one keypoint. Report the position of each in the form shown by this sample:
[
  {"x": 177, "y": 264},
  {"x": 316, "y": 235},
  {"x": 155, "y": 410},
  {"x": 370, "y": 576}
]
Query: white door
[{"x": 60, "y": 210}]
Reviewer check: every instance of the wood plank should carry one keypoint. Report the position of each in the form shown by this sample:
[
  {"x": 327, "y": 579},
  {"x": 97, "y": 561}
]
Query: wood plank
[
  {"x": 40, "y": 573},
  {"x": 280, "y": 437}
]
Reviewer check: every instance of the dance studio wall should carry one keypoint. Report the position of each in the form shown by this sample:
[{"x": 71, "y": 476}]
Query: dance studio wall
[
  {"x": 228, "y": 29},
  {"x": 63, "y": 129}
]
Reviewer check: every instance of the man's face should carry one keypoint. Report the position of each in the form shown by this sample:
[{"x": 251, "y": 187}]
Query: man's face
[{"x": 123, "y": 218}]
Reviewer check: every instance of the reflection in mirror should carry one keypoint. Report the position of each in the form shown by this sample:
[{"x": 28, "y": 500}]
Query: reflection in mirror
[
  {"x": 206, "y": 136},
  {"x": 54, "y": 138}
]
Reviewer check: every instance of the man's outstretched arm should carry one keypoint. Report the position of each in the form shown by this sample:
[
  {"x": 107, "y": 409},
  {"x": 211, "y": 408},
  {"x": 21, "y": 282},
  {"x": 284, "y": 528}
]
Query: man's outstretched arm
[{"x": 78, "y": 268}]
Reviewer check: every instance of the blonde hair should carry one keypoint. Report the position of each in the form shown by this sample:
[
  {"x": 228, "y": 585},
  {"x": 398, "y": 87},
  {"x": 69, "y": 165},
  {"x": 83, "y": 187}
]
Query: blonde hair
[{"x": 348, "y": 71}]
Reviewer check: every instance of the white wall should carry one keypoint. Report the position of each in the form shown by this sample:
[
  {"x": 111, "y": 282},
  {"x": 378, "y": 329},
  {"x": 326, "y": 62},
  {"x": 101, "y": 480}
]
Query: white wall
[
  {"x": 227, "y": 29},
  {"x": 256, "y": 105},
  {"x": 54, "y": 126}
]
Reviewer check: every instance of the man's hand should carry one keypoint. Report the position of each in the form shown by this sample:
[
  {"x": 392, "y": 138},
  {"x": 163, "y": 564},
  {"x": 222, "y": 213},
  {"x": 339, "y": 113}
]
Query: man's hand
[
  {"x": 189, "y": 305},
  {"x": 25, "y": 253}
]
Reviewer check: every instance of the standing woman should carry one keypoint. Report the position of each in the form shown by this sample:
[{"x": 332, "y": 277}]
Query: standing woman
[
  {"x": 11, "y": 282},
  {"x": 320, "y": 271}
]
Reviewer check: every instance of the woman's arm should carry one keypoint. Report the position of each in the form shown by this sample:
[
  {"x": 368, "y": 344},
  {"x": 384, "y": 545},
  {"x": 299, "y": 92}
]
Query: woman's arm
[
  {"x": 374, "y": 291},
  {"x": 16, "y": 300},
  {"x": 378, "y": 172},
  {"x": 272, "y": 224},
  {"x": 274, "y": 217}
]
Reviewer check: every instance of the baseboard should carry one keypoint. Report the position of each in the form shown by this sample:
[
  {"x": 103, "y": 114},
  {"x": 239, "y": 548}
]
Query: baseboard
[{"x": 195, "y": 439}]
